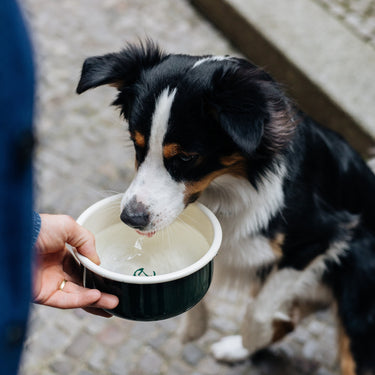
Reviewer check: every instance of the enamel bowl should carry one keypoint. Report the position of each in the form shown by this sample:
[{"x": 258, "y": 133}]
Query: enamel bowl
[{"x": 147, "y": 298}]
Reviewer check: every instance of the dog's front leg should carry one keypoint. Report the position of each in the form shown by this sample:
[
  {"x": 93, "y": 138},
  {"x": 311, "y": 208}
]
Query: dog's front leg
[
  {"x": 267, "y": 319},
  {"x": 194, "y": 323}
]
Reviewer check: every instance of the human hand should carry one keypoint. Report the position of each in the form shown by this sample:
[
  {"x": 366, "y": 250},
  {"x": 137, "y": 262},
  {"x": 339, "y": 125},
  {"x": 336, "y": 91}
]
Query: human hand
[{"x": 55, "y": 263}]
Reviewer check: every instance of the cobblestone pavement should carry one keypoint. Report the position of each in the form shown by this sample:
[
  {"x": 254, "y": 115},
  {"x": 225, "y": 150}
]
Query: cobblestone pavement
[
  {"x": 359, "y": 15},
  {"x": 83, "y": 157}
]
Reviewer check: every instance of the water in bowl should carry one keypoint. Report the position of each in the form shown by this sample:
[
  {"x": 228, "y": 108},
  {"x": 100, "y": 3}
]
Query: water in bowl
[{"x": 121, "y": 249}]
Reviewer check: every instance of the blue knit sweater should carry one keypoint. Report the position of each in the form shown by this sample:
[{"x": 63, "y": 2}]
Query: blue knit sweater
[{"x": 16, "y": 215}]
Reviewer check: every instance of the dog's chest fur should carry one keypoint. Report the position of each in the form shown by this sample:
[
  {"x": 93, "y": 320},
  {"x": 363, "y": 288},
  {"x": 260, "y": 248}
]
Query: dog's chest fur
[{"x": 243, "y": 212}]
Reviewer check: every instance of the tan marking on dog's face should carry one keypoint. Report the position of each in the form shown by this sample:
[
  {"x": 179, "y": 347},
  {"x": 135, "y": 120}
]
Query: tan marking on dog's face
[
  {"x": 233, "y": 164},
  {"x": 140, "y": 142},
  {"x": 347, "y": 363},
  {"x": 118, "y": 84},
  {"x": 277, "y": 243},
  {"x": 194, "y": 189},
  {"x": 171, "y": 149},
  {"x": 231, "y": 160},
  {"x": 139, "y": 139}
]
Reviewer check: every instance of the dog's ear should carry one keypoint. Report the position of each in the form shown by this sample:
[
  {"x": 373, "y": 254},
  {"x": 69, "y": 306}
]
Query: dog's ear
[
  {"x": 250, "y": 108},
  {"x": 119, "y": 69},
  {"x": 240, "y": 107}
]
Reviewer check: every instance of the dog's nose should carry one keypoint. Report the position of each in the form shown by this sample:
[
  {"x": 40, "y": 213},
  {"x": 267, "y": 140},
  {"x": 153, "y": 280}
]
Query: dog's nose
[{"x": 135, "y": 214}]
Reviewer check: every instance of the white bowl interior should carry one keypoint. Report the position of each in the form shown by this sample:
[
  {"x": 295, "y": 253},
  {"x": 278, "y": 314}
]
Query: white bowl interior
[{"x": 106, "y": 212}]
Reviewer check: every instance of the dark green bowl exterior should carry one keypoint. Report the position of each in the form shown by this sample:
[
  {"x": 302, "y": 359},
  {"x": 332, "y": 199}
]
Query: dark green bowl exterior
[{"x": 148, "y": 302}]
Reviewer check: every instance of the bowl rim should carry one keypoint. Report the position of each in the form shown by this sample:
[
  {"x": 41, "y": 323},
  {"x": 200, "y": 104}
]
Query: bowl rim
[{"x": 199, "y": 264}]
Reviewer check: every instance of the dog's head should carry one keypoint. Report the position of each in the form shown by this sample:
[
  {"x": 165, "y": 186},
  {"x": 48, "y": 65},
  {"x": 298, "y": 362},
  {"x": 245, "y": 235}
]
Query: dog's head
[{"x": 191, "y": 119}]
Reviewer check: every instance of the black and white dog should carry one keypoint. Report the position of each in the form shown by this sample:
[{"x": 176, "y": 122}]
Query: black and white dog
[{"x": 295, "y": 201}]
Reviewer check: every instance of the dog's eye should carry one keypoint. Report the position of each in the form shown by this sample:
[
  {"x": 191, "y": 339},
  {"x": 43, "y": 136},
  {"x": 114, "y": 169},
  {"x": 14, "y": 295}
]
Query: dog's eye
[{"x": 187, "y": 157}]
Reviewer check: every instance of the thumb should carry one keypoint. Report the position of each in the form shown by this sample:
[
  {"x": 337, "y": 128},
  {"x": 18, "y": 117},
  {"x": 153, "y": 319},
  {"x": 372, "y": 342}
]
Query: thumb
[{"x": 82, "y": 239}]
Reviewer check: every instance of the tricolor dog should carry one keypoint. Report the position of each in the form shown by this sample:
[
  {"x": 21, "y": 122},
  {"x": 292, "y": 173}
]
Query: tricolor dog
[{"x": 295, "y": 201}]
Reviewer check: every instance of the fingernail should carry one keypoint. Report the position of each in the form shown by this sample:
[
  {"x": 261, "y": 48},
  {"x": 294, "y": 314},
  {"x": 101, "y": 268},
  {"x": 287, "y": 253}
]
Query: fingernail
[
  {"x": 96, "y": 260},
  {"x": 115, "y": 301}
]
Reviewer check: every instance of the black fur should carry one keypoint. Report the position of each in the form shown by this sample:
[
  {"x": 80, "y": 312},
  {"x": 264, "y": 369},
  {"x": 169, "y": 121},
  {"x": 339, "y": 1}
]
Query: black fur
[{"x": 231, "y": 106}]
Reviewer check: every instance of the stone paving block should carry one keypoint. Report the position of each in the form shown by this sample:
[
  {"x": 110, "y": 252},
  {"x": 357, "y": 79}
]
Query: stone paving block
[
  {"x": 69, "y": 323},
  {"x": 358, "y": 14},
  {"x": 151, "y": 362},
  {"x": 92, "y": 324},
  {"x": 127, "y": 351},
  {"x": 172, "y": 347},
  {"x": 98, "y": 359},
  {"x": 62, "y": 365},
  {"x": 124, "y": 358},
  {"x": 117, "y": 368},
  {"x": 80, "y": 345},
  {"x": 143, "y": 331},
  {"x": 54, "y": 341},
  {"x": 179, "y": 368},
  {"x": 157, "y": 341},
  {"x": 244, "y": 369},
  {"x": 209, "y": 366},
  {"x": 192, "y": 354},
  {"x": 111, "y": 335},
  {"x": 85, "y": 372}
]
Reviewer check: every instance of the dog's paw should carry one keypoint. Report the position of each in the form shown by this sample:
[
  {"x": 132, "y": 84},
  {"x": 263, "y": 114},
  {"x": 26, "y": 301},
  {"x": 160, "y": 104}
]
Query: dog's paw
[{"x": 230, "y": 349}]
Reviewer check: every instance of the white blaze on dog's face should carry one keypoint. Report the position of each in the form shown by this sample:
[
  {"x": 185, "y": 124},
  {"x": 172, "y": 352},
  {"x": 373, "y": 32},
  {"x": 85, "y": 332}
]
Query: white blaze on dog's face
[{"x": 154, "y": 199}]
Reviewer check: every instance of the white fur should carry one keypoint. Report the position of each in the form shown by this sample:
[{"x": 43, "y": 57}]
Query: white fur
[
  {"x": 153, "y": 185},
  {"x": 277, "y": 297},
  {"x": 230, "y": 349},
  {"x": 210, "y": 58},
  {"x": 243, "y": 208},
  {"x": 243, "y": 211}
]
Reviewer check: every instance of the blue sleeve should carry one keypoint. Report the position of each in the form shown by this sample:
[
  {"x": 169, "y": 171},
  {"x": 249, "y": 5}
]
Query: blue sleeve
[
  {"x": 37, "y": 222},
  {"x": 16, "y": 200}
]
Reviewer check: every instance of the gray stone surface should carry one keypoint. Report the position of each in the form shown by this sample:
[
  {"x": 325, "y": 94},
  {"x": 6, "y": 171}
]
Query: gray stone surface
[
  {"x": 359, "y": 15},
  {"x": 83, "y": 156}
]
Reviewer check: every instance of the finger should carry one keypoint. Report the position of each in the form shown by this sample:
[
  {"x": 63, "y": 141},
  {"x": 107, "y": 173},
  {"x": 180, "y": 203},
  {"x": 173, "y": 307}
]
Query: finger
[
  {"x": 73, "y": 296},
  {"x": 106, "y": 301},
  {"x": 82, "y": 239}
]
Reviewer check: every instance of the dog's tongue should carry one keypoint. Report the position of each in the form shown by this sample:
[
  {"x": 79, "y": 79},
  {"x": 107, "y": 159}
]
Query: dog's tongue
[{"x": 148, "y": 234}]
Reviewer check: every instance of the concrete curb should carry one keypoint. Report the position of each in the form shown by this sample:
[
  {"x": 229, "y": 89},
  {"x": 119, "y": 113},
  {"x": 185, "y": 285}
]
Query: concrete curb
[{"x": 325, "y": 67}]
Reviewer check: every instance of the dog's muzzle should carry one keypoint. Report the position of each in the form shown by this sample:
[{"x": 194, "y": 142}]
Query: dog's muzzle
[{"x": 135, "y": 214}]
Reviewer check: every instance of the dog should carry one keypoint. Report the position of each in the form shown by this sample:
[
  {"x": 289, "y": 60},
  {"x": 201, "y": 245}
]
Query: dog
[{"x": 295, "y": 201}]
